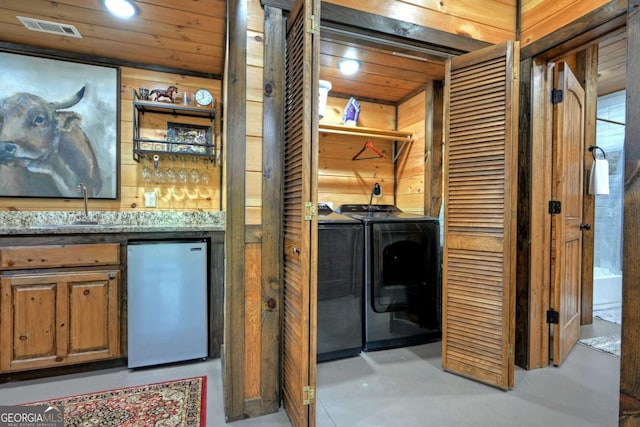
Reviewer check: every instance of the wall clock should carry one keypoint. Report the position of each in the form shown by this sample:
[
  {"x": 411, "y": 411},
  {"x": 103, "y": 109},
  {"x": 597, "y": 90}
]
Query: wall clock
[{"x": 203, "y": 97}]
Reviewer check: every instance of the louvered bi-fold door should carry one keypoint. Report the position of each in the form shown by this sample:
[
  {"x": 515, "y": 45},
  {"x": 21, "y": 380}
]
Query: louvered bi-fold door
[
  {"x": 300, "y": 222},
  {"x": 480, "y": 215}
]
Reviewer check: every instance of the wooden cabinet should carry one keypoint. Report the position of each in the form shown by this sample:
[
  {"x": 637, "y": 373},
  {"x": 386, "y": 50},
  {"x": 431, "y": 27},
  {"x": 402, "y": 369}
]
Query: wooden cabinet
[{"x": 63, "y": 316}]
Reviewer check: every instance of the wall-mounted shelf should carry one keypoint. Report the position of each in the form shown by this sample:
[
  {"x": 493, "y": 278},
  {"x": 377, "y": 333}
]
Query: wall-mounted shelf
[
  {"x": 172, "y": 147},
  {"x": 175, "y": 109},
  {"x": 390, "y": 135}
]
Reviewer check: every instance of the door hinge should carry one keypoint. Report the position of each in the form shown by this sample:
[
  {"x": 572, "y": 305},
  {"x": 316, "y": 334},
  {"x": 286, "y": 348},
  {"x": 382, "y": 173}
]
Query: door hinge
[
  {"x": 510, "y": 350},
  {"x": 555, "y": 207},
  {"x": 309, "y": 211},
  {"x": 556, "y": 96},
  {"x": 308, "y": 394},
  {"x": 553, "y": 317},
  {"x": 313, "y": 25}
]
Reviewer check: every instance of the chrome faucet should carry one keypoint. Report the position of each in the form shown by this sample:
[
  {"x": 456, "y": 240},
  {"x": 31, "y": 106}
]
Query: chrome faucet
[{"x": 83, "y": 188}]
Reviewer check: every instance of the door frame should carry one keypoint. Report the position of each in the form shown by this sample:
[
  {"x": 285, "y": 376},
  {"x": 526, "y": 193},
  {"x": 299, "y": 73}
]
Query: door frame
[
  {"x": 578, "y": 39},
  {"x": 539, "y": 290}
]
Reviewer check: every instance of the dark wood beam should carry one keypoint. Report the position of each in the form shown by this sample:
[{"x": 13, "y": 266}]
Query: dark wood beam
[
  {"x": 385, "y": 29},
  {"x": 629, "y": 360},
  {"x": 235, "y": 125},
  {"x": 434, "y": 98},
  {"x": 523, "y": 256},
  {"x": 592, "y": 24},
  {"x": 272, "y": 204}
]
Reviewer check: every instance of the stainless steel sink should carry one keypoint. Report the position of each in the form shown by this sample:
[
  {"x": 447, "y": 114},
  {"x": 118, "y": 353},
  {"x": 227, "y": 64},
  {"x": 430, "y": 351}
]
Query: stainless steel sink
[{"x": 80, "y": 222}]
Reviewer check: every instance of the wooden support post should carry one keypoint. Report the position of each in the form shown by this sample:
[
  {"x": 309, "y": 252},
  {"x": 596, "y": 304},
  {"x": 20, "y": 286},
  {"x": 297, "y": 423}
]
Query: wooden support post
[
  {"x": 235, "y": 127},
  {"x": 272, "y": 182},
  {"x": 629, "y": 360}
]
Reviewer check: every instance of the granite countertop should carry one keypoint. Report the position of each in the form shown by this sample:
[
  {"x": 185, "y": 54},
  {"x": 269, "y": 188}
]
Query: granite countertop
[{"x": 62, "y": 222}]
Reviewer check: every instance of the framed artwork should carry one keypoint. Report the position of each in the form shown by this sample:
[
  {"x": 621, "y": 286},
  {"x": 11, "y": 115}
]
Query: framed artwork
[
  {"x": 189, "y": 139},
  {"x": 59, "y": 128}
]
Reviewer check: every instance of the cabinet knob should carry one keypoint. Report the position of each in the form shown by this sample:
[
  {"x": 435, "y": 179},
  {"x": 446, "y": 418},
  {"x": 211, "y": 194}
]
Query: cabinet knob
[
  {"x": 59, "y": 359},
  {"x": 22, "y": 338},
  {"x": 86, "y": 292},
  {"x": 112, "y": 276}
]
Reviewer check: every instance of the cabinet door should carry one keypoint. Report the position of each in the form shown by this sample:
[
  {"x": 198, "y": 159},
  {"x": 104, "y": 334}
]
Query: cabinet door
[
  {"x": 28, "y": 326},
  {"x": 59, "y": 318},
  {"x": 93, "y": 326}
]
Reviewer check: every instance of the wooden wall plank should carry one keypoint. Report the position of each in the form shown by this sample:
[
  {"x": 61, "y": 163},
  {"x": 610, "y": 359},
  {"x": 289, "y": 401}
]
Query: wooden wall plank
[
  {"x": 255, "y": 48},
  {"x": 542, "y": 17},
  {"x": 410, "y": 167},
  {"x": 253, "y": 161},
  {"x": 577, "y": 34},
  {"x": 253, "y": 323},
  {"x": 372, "y": 114},
  {"x": 491, "y": 21},
  {"x": 612, "y": 64},
  {"x": 169, "y": 33}
]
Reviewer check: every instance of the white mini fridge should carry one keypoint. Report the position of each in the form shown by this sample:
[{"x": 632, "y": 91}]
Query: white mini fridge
[{"x": 167, "y": 302}]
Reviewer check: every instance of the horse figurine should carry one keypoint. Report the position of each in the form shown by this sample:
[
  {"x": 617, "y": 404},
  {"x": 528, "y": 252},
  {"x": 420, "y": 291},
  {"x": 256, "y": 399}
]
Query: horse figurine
[{"x": 163, "y": 95}]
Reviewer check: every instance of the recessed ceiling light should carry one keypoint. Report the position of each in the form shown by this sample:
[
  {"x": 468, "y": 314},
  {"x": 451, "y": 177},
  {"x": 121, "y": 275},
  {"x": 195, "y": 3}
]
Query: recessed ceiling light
[
  {"x": 348, "y": 66},
  {"x": 121, "y": 8}
]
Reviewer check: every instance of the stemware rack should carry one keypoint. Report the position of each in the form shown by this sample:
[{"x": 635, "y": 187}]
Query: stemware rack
[{"x": 149, "y": 147}]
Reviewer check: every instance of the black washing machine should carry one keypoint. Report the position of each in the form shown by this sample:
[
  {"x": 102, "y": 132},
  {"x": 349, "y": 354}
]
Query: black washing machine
[
  {"x": 402, "y": 290},
  {"x": 340, "y": 278}
]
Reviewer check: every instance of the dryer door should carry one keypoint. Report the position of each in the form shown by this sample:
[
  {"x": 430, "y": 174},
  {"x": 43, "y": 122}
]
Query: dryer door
[{"x": 404, "y": 267}]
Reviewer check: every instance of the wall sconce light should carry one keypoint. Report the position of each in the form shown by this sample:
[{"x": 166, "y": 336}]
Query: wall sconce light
[
  {"x": 348, "y": 67},
  {"x": 121, "y": 8}
]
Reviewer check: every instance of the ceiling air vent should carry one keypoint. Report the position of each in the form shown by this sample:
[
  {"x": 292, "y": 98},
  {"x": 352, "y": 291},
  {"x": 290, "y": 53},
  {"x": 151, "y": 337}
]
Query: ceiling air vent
[{"x": 50, "y": 27}]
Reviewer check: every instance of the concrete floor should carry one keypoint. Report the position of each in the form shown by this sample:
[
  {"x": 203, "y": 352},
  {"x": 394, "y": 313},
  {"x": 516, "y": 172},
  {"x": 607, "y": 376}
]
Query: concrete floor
[{"x": 398, "y": 388}]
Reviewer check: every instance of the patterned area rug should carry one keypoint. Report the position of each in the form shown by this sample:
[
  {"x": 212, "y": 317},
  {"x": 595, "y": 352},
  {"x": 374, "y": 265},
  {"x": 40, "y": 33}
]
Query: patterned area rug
[
  {"x": 166, "y": 404},
  {"x": 607, "y": 344},
  {"x": 613, "y": 315}
]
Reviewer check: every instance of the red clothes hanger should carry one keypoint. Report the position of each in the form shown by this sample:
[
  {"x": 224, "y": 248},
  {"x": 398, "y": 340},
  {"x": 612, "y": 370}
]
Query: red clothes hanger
[{"x": 366, "y": 145}]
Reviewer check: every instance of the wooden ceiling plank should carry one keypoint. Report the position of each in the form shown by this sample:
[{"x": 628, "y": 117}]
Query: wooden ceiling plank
[{"x": 74, "y": 15}]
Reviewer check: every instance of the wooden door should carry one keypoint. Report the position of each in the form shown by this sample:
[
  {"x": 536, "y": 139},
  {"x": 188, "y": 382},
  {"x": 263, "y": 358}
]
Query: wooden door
[
  {"x": 300, "y": 224},
  {"x": 481, "y": 112},
  {"x": 566, "y": 234},
  {"x": 29, "y": 321},
  {"x": 93, "y": 315}
]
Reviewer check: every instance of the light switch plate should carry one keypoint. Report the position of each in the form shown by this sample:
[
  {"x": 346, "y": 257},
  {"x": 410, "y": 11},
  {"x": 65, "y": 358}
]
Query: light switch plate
[{"x": 150, "y": 199}]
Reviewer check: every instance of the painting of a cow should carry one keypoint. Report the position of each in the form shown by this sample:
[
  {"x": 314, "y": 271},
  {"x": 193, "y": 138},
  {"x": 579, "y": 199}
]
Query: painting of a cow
[
  {"x": 43, "y": 149},
  {"x": 59, "y": 128}
]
